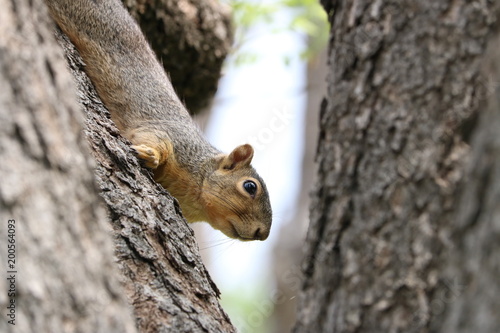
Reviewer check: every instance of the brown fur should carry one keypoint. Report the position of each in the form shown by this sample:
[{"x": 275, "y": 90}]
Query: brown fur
[{"x": 142, "y": 102}]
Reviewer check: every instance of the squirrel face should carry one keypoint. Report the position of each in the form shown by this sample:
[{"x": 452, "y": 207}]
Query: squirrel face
[{"x": 235, "y": 198}]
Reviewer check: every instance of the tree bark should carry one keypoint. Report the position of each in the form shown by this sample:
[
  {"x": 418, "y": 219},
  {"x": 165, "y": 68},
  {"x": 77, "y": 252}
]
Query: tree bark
[
  {"x": 192, "y": 39},
  {"x": 62, "y": 275},
  {"x": 402, "y": 237},
  {"x": 69, "y": 282}
]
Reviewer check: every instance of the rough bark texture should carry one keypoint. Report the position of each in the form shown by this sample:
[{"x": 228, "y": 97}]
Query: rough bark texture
[
  {"x": 393, "y": 245},
  {"x": 164, "y": 277},
  {"x": 66, "y": 278},
  {"x": 192, "y": 38}
]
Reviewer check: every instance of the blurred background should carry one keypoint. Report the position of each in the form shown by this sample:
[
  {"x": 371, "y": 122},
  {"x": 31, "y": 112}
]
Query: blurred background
[{"x": 269, "y": 96}]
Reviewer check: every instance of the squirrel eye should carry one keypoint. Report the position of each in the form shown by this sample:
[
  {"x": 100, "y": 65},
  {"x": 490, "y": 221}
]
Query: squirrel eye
[{"x": 250, "y": 187}]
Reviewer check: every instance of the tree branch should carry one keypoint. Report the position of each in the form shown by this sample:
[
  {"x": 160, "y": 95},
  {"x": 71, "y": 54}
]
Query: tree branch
[{"x": 164, "y": 277}]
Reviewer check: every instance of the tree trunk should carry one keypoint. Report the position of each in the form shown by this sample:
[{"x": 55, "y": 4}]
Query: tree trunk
[
  {"x": 66, "y": 271},
  {"x": 61, "y": 275},
  {"x": 402, "y": 236}
]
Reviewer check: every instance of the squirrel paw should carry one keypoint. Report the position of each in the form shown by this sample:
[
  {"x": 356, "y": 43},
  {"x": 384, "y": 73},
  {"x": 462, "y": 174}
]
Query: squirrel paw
[{"x": 149, "y": 156}]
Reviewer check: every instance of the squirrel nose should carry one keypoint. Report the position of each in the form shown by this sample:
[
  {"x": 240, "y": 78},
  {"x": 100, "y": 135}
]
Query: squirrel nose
[{"x": 260, "y": 235}]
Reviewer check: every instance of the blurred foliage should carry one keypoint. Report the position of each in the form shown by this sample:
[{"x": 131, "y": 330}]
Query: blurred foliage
[
  {"x": 249, "y": 309},
  {"x": 313, "y": 21},
  {"x": 307, "y": 17}
]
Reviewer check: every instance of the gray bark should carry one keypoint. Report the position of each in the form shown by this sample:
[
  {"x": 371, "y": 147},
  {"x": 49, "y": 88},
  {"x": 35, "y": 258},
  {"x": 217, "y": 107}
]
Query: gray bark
[
  {"x": 402, "y": 237},
  {"x": 68, "y": 279}
]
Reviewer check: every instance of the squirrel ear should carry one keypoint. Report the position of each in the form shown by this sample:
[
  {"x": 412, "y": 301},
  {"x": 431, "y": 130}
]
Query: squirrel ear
[{"x": 241, "y": 156}]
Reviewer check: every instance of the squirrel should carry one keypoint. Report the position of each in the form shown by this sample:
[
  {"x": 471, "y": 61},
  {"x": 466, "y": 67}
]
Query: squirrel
[{"x": 221, "y": 189}]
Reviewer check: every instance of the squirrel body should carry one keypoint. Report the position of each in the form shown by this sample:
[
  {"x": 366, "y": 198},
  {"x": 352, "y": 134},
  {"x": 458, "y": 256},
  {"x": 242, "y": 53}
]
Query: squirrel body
[{"x": 221, "y": 189}]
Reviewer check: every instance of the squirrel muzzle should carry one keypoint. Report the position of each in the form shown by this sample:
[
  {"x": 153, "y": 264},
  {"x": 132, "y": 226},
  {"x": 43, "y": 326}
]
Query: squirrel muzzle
[{"x": 236, "y": 199}]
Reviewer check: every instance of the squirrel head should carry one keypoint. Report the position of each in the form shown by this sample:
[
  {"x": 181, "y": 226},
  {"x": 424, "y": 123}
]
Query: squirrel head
[{"x": 235, "y": 198}]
